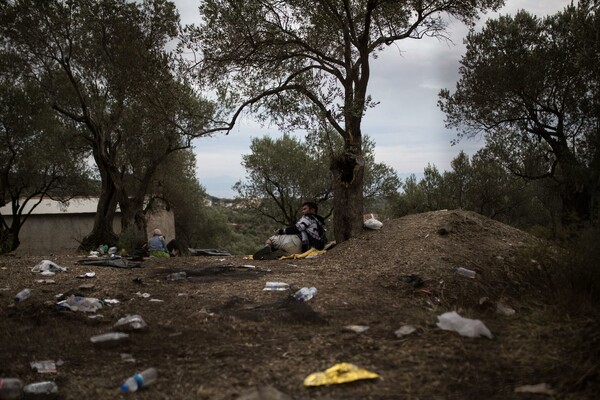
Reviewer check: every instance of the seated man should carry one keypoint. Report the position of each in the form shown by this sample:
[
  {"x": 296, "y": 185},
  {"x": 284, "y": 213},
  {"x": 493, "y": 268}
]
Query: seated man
[
  {"x": 308, "y": 232},
  {"x": 157, "y": 246}
]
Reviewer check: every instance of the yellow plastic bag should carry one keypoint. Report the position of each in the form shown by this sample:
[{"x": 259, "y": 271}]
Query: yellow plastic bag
[{"x": 339, "y": 373}]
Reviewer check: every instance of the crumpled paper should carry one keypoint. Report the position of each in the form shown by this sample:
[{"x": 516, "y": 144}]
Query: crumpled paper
[
  {"x": 473, "y": 328},
  {"x": 339, "y": 373}
]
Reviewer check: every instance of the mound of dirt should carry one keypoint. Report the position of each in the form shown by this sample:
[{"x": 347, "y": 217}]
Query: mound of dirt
[{"x": 216, "y": 334}]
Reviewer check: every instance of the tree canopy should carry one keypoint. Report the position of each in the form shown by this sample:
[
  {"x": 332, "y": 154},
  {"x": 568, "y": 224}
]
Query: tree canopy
[
  {"x": 299, "y": 63},
  {"x": 531, "y": 86}
]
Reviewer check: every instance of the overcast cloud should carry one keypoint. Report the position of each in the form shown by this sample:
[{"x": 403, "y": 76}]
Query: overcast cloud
[{"x": 407, "y": 126}]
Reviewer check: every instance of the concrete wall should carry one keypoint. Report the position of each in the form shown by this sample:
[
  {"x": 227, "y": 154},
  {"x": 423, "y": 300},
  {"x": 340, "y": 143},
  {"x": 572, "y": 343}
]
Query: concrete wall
[{"x": 62, "y": 233}]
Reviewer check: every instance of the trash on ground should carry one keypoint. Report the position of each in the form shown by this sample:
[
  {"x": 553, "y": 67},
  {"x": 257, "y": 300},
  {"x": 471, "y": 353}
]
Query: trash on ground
[
  {"x": 267, "y": 392},
  {"x": 413, "y": 280},
  {"x": 310, "y": 253},
  {"x": 79, "y": 303},
  {"x": 248, "y": 266},
  {"x": 473, "y": 328},
  {"x": 110, "y": 339},
  {"x": 22, "y": 295},
  {"x": 47, "y": 273},
  {"x": 504, "y": 310},
  {"x": 39, "y": 389},
  {"x": 111, "y": 301},
  {"x": 177, "y": 276},
  {"x": 126, "y": 357},
  {"x": 111, "y": 262},
  {"x": 356, "y": 328},
  {"x": 10, "y": 388},
  {"x": 131, "y": 323},
  {"x": 373, "y": 223},
  {"x": 156, "y": 300},
  {"x": 305, "y": 293},
  {"x": 47, "y": 265},
  {"x": 276, "y": 286},
  {"x": 465, "y": 272},
  {"x": 86, "y": 286},
  {"x": 405, "y": 330},
  {"x": 139, "y": 381},
  {"x": 339, "y": 373},
  {"x": 540, "y": 388},
  {"x": 87, "y": 275},
  {"x": 95, "y": 316},
  {"x": 45, "y": 367},
  {"x": 45, "y": 281},
  {"x": 144, "y": 295}
]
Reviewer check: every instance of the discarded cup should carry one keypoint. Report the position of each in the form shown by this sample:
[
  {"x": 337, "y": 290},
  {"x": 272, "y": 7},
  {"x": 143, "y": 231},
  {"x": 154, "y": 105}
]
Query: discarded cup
[
  {"x": 110, "y": 339},
  {"x": 131, "y": 323},
  {"x": 22, "y": 295}
]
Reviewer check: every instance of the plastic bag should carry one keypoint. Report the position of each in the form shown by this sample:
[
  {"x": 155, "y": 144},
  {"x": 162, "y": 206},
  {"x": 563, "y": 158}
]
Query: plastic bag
[
  {"x": 373, "y": 223},
  {"x": 473, "y": 328},
  {"x": 78, "y": 303},
  {"x": 47, "y": 265}
]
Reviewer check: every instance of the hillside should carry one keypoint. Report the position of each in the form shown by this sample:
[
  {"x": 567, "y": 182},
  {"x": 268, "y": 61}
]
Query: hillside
[{"x": 218, "y": 335}]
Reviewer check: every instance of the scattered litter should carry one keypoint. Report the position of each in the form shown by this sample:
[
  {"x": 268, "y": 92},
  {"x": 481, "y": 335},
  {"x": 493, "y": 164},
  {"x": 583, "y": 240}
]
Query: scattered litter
[
  {"x": 41, "y": 389},
  {"x": 144, "y": 295},
  {"x": 139, "y": 381},
  {"x": 157, "y": 300},
  {"x": 87, "y": 286},
  {"x": 48, "y": 273},
  {"x": 413, "y": 280},
  {"x": 45, "y": 367},
  {"x": 248, "y": 266},
  {"x": 405, "y": 330},
  {"x": 22, "y": 295},
  {"x": 276, "y": 286},
  {"x": 45, "y": 281},
  {"x": 504, "y": 310},
  {"x": 292, "y": 265},
  {"x": 126, "y": 357},
  {"x": 305, "y": 293},
  {"x": 47, "y": 265},
  {"x": 111, "y": 301},
  {"x": 177, "y": 276},
  {"x": 110, "y": 339},
  {"x": 4, "y": 289},
  {"x": 465, "y": 272},
  {"x": 131, "y": 323},
  {"x": 540, "y": 388},
  {"x": 373, "y": 223},
  {"x": 94, "y": 254},
  {"x": 356, "y": 328},
  {"x": 473, "y": 328},
  {"x": 96, "y": 316},
  {"x": 87, "y": 275},
  {"x": 79, "y": 303},
  {"x": 339, "y": 373}
]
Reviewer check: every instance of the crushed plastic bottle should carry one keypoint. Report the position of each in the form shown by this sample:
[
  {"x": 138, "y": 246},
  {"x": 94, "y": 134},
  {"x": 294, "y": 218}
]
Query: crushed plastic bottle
[
  {"x": 177, "y": 276},
  {"x": 276, "y": 286},
  {"x": 10, "y": 388},
  {"x": 305, "y": 293},
  {"x": 40, "y": 389},
  {"x": 139, "y": 381},
  {"x": 22, "y": 295},
  {"x": 131, "y": 323},
  {"x": 466, "y": 272},
  {"x": 109, "y": 339}
]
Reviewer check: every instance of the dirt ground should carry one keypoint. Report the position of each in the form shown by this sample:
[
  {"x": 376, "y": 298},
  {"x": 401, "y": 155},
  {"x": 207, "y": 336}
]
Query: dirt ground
[{"x": 219, "y": 335}]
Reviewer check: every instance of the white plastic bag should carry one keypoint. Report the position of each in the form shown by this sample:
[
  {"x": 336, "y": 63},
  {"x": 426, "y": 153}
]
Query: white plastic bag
[
  {"x": 373, "y": 223},
  {"x": 473, "y": 328},
  {"x": 47, "y": 265}
]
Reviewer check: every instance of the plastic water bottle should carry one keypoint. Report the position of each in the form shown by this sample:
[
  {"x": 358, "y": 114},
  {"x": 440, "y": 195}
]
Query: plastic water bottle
[
  {"x": 276, "y": 286},
  {"x": 39, "y": 389},
  {"x": 305, "y": 293},
  {"x": 176, "y": 276},
  {"x": 22, "y": 295},
  {"x": 10, "y": 388},
  {"x": 466, "y": 272},
  {"x": 110, "y": 339},
  {"x": 139, "y": 381}
]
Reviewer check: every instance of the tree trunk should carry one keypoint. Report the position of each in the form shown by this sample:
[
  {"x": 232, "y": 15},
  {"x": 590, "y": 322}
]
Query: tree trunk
[
  {"x": 133, "y": 221},
  {"x": 102, "y": 232},
  {"x": 348, "y": 175}
]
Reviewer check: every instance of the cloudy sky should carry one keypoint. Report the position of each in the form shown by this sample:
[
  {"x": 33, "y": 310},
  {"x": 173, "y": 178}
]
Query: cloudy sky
[{"x": 407, "y": 126}]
